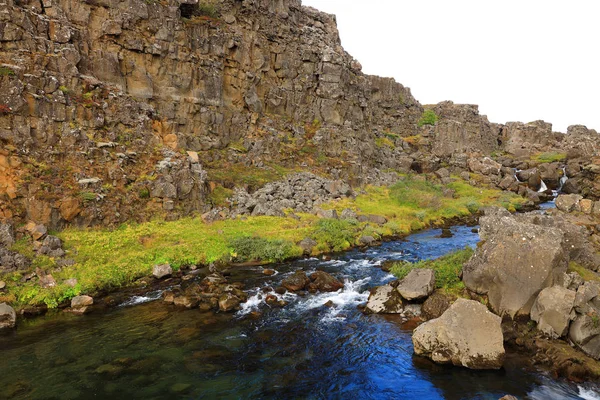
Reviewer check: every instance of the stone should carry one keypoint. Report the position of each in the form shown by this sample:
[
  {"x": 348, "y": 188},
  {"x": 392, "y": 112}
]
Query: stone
[
  {"x": 331, "y": 214},
  {"x": 324, "y": 282},
  {"x": 442, "y": 173},
  {"x": 366, "y": 240},
  {"x": 228, "y": 302},
  {"x": 585, "y": 333},
  {"x": 297, "y": 281},
  {"x": 553, "y": 311},
  {"x": 161, "y": 271},
  {"x": 348, "y": 213},
  {"x": 484, "y": 166},
  {"x": 2, "y": 285},
  {"x": 385, "y": 300},
  {"x": 307, "y": 245},
  {"x": 81, "y": 301},
  {"x": 47, "y": 281},
  {"x": 586, "y": 206},
  {"x": 567, "y": 202},
  {"x": 418, "y": 284},
  {"x": 376, "y": 219},
  {"x": 436, "y": 305},
  {"x": 72, "y": 282},
  {"x": 515, "y": 262},
  {"x": 37, "y": 231},
  {"x": 185, "y": 301},
  {"x": 467, "y": 335},
  {"x": 7, "y": 235},
  {"x": 8, "y": 316}
]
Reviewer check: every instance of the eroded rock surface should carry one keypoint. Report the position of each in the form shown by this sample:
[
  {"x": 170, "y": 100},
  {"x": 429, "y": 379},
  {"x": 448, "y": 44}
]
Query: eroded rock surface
[{"x": 467, "y": 335}]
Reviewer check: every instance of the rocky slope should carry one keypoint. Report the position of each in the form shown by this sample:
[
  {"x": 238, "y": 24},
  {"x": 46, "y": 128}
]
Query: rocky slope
[{"x": 118, "y": 110}]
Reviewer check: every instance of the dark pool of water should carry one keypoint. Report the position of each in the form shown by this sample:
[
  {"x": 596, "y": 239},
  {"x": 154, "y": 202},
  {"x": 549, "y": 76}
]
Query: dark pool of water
[{"x": 305, "y": 350}]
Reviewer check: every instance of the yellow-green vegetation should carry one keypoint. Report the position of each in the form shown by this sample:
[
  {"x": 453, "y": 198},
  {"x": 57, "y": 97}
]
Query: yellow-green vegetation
[
  {"x": 5, "y": 71},
  {"x": 384, "y": 142},
  {"x": 585, "y": 273},
  {"x": 243, "y": 175},
  {"x": 548, "y": 157},
  {"x": 414, "y": 140},
  {"x": 218, "y": 197},
  {"x": 108, "y": 259},
  {"x": 447, "y": 269},
  {"x": 429, "y": 117}
]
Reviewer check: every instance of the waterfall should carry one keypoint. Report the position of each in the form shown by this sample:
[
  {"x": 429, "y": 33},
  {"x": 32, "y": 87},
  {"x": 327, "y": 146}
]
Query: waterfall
[
  {"x": 563, "y": 179},
  {"x": 515, "y": 171},
  {"x": 543, "y": 187}
]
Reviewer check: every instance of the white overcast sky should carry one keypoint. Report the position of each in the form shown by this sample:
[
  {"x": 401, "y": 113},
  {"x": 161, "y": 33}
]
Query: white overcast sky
[{"x": 519, "y": 60}]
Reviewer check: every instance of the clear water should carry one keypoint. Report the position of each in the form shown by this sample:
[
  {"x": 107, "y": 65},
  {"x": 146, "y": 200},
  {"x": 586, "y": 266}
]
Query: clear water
[{"x": 147, "y": 349}]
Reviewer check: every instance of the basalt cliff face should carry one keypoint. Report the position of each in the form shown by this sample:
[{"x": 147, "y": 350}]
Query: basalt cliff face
[{"x": 120, "y": 110}]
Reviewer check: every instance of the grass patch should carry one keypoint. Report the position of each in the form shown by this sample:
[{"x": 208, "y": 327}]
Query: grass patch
[
  {"x": 109, "y": 259},
  {"x": 232, "y": 175},
  {"x": 549, "y": 157},
  {"x": 384, "y": 142},
  {"x": 447, "y": 269},
  {"x": 255, "y": 248},
  {"x": 585, "y": 273},
  {"x": 219, "y": 196},
  {"x": 429, "y": 117},
  {"x": 5, "y": 71}
]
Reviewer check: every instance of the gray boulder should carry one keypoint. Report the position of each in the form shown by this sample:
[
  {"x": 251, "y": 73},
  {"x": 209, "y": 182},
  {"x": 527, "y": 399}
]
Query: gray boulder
[
  {"x": 585, "y": 333},
  {"x": 81, "y": 304},
  {"x": 385, "y": 300},
  {"x": 515, "y": 262},
  {"x": 467, "y": 335},
  {"x": 418, "y": 284},
  {"x": 553, "y": 310},
  {"x": 8, "y": 316},
  {"x": 7, "y": 236},
  {"x": 162, "y": 271},
  {"x": 307, "y": 245},
  {"x": 567, "y": 202}
]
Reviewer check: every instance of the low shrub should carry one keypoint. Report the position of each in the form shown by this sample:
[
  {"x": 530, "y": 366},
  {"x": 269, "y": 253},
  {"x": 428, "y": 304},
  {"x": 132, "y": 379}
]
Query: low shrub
[
  {"x": 254, "y": 248},
  {"x": 429, "y": 117},
  {"x": 336, "y": 234}
]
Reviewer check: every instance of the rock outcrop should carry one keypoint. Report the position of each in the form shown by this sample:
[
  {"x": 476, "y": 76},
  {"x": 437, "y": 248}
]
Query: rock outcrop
[
  {"x": 515, "y": 262},
  {"x": 553, "y": 311},
  {"x": 467, "y": 335}
]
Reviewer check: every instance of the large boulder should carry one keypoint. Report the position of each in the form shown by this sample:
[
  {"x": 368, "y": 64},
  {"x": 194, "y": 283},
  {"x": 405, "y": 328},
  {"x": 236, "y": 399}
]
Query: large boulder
[
  {"x": 297, "y": 281},
  {"x": 418, "y": 284},
  {"x": 8, "y": 316},
  {"x": 484, "y": 166},
  {"x": 385, "y": 300},
  {"x": 515, "y": 262},
  {"x": 585, "y": 333},
  {"x": 467, "y": 335},
  {"x": 553, "y": 310},
  {"x": 567, "y": 202},
  {"x": 324, "y": 282}
]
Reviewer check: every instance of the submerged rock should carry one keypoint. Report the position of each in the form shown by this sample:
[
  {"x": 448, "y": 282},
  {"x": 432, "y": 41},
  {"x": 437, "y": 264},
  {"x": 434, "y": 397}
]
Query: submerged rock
[
  {"x": 385, "y": 300},
  {"x": 418, "y": 284},
  {"x": 467, "y": 335},
  {"x": 8, "y": 316}
]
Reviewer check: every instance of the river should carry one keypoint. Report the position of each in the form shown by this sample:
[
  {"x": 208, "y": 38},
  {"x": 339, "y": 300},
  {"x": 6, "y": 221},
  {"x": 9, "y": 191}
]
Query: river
[{"x": 151, "y": 350}]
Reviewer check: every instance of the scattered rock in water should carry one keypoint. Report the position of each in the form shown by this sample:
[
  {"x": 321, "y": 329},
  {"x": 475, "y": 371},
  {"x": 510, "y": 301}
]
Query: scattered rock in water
[
  {"x": 8, "y": 316},
  {"x": 418, "y": 284},
  {"x": 269, "y": 272},
  {"x": 553, "y": 310},
  {"x": 80, "y": 304},
  {"x": 385, "y": 300},
  {"x": 162, "y": 271},
  {"x": 280, "y": 290},
  {"x": 467, "y": 335},
  {"x": 446, "y": 233},
  {"x": 186, "y": 301},
  {"x": 367, "y": 240},
  {"x": 330, "y": 304},
  {"x": 297, "y": 281},
  {"x": 229, "y": 302},
  {"x": 324, "y": 282},
  {"x": 179, "y": 388}
]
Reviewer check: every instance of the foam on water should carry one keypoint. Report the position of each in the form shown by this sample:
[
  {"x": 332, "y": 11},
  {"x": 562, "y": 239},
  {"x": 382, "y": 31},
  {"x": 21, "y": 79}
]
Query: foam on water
[
  {"x": 151, "y": 296},
  {"x": 588, "y": 394}
]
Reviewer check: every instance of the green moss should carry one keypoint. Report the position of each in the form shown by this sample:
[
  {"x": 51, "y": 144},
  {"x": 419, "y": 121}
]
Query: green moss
[
  {"x": 87, "y": 196},
  {"x": 384, "y": 142},
  {"x": 447, "y": 269},
  {"x": 549, "y": 157},
  {"x": 219, "y": 196},
  {"x": 586, "y": 274},
  {"x": 5, "y": 71},
  {"x": 429, "y": 117}
]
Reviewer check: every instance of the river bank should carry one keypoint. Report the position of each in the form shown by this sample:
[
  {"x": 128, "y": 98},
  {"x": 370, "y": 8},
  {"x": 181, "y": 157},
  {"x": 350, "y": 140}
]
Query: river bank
[{"x": 156, "y": 350}]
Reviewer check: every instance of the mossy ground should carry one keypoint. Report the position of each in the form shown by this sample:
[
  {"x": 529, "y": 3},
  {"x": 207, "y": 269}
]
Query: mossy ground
[
  {"x": 447, "y": 270},
  {"x": 109, "y": 259}
]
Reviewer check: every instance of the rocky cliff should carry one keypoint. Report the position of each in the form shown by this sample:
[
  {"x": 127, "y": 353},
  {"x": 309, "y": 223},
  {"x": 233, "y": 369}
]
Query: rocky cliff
[{"x": 116, "y": 110}]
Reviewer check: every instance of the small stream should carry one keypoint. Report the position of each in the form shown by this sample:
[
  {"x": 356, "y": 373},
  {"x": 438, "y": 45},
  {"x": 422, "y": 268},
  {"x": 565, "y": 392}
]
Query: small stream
[{"x": 148, "y": 349}]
